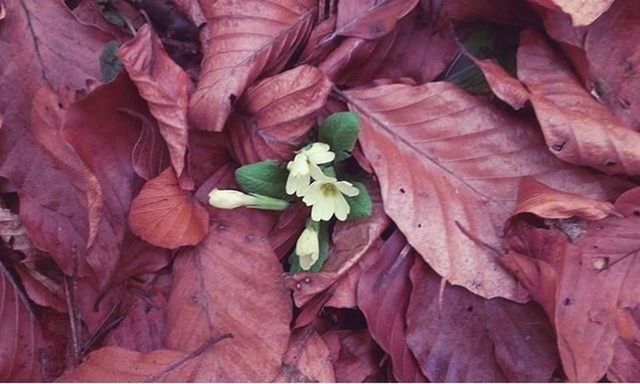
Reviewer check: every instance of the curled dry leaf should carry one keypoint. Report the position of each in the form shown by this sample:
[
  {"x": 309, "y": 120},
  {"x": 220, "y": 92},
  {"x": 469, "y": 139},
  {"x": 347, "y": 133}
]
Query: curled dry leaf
[
  {"x": 370, "y": 19},
  {"x": 166, "y": 216},
  {"x": 306, "y": 359},
  {"x": 549, "y": 203},
  {"x": 458, "y": 336},
  {"x": 275, "y": 115},
  {"x": 589, "y": 291},
  {"x": 25, "y": 354},
  {"x": 383, "y": 296},
  {"x": 150, "y": 155},
  {"x": 502, "y": 84},
  {"x": 576, "y": 127},
  {"x": 164, "y": 85},
  {"x": 231, "y": 283},
  {"x": 411, "y": 135},
  {"x": 355, "y": 356},
  {"x": 581, "y": 12},
  {"x": 244, "y": 40}
]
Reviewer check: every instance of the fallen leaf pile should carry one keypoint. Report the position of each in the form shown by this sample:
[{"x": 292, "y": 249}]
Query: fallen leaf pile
[{"x": 499, "y": 146}]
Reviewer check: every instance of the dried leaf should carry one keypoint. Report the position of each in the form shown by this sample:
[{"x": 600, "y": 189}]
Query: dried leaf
[
  {"x": 150, "y": 155},
  {"x": 231, "y": 283},
  {"x": 243, "y": 41},
  {"x": 370, "y": 19},
  {"x": 549, "y": 203},
  {"x": 275, "y": 115},
  {"x": 576, "y": 127},
  {"x": 412, "y": 135},
  {"x": 166, "y": 216},
  {"x": 164, "y": 85},
  {"x": 588, "y": 288},
  {"x": 306, "y": 359},
  {"x": 458, "y": 336},
  {"x": 502, "y": 84},
  {"x": 355, "y": 357},
  {"x": 582, "y": 13},
  {"x": 383, "y": 296}
]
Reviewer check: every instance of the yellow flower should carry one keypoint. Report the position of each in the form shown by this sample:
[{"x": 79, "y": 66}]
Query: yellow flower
[
  {"x": 326, "y": 198},
  {"x": 231, "y": 199},
  {"x": 308, "y": 247},
  {"x": 305, "y": 165}
]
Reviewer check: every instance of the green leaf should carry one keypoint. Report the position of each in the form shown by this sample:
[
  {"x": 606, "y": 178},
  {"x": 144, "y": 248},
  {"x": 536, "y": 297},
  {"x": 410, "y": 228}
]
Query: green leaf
[
  {"x": 323, "y": 240},
  {"x": 110, "y": 64},
  {"x": 264, "y": 178},
  {"x": 361, "y": 205},
  {"x": 340, "y": 131}
]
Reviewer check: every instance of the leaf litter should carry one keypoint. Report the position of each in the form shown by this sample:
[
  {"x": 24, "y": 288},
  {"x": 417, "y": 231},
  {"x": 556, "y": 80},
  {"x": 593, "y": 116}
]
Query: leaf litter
[{"x": 319, "y": 190}]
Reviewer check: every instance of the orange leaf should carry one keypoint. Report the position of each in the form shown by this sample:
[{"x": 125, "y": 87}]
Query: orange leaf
[
  {"x": 244, "y": 40},
  {"x": 166, "y": 216}
]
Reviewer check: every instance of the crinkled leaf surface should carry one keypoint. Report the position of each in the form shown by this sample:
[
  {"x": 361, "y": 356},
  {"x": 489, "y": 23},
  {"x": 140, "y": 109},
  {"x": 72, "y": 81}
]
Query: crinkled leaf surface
[
  {"x": 370, "y": 19},
  {"x": 411, "y": 135},
  {"x": 164, "y": 85},
  {"x": 306, "y": 359},
  {"x": 244, "y": 40},
  {"x": 231, "y": 283},
  {"x": 166, "y": 216},
  {"x": 274, "y": 115},
  {"x": 576, "y": 127},
  {"x": 581, "y": 12}
]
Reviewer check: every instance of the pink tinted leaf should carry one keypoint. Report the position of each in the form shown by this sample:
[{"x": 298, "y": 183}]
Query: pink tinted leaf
[
  {"x": 502, "y": 84},
  {"x": 231, "y": 283},
  {"x": 150, "y": 155},
  {"x": 306, "y": 359},
  {"x": 244, "y": 40},
  {"x": 275, "y": 115},
  {"x": 411, "y": 136},
  {"x": 166, "y": 216},
  {"x": 370, "y": 19},
  {"x": 576, "y": 127},
  {"x": 164, "y": 85},
  {"x": 582, "y": 13}
]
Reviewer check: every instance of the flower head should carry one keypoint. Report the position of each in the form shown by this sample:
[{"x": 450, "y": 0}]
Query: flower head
[
  {"x": 326, "y": 198},
  {"x": 305, "y": 165},
  {"x": 308, "y": 247},
  {"x": 231, "y": 199}
]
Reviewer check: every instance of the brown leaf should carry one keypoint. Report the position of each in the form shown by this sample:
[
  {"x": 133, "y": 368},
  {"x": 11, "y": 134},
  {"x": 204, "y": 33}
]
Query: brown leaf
[
  {"x": 231, "y": 283},
  {"x": 290, "y": 224},
  {"x": 243, "y": 41},
  {"x": 549, "y": 203},
  {"x": 370, "y": 19},
  {"x": 493, "y": 11},
  {"x": 412, "y": 137},
  {"x": 351, "y": 241},
  {"x": 24, "y": 353},
  {"x": 207, "y": 154},
  {"x": 275, "y": 115},
  {"x": 166, "y": 216},
  {"x": 306, "y": 359},
  {"x": 581, "y": 13},
  {"x": 588, "y": 288},
  {"x": 383, "y": 296},
  {"x": 502, "y": 84},
  {"x": 458, "y": 336},
  {"x": 576, "y": 127},
  {"x": 355, "y": 357},
  {"x": 164, "y": 85},
  {"x": 150, "y": 155}
]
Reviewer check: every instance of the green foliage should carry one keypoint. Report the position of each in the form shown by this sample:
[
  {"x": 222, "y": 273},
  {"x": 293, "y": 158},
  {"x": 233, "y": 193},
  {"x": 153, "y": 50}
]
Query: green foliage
[
  {"x": 360, "y": 206},
  {"x": 264, "y": 178},
  {"x": 340, "y": 131},
  {"x": 323, "y": 241},
  {"x": 110, "y": 64}
]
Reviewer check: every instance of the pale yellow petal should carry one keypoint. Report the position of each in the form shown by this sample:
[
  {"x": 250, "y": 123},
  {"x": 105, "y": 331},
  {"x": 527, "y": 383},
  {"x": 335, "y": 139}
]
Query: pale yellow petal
[
  {"x": 347, "y": 188},
  {"x": 322, "y": 210},
  {"x": 299, "y": 166},
  {"x": 341, "y": 207},
  {"x": 313, "y": 194},
  {"x": 316, "y": 173}
]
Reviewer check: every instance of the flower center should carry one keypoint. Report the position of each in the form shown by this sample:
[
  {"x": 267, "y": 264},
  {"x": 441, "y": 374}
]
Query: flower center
[{"x": 329, "y": 190}]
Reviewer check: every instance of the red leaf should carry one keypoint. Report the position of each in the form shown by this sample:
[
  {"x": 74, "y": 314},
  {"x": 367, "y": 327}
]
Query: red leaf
[
  {"x": 581, "y": 13},
  {"x": 231, "y": 283},
  {"x": 150, "y": 155},
  {"x": 458, "y": 336},
  {"x": 355, "y": 357},
  {"x": 264, "y": 33},
  {"x": 412, "y": 137},
  {"x": 576, "y": 127},
  {"x": 207, "y": 154},
  {"x": 502, "y": 84},
  {"x": 549, "y": 203},
  {"x": 306, "y": 359},
  {"x": 275, "y": 115},
  {"x": 370, "y": 19},
  {"x": 164, "y": 85},
  {"x": 25, "y": 354},
  {"x": 166, "y": 216},
  {"x": 383, "y": 296},
  {"x": 588, "y": 288}
]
